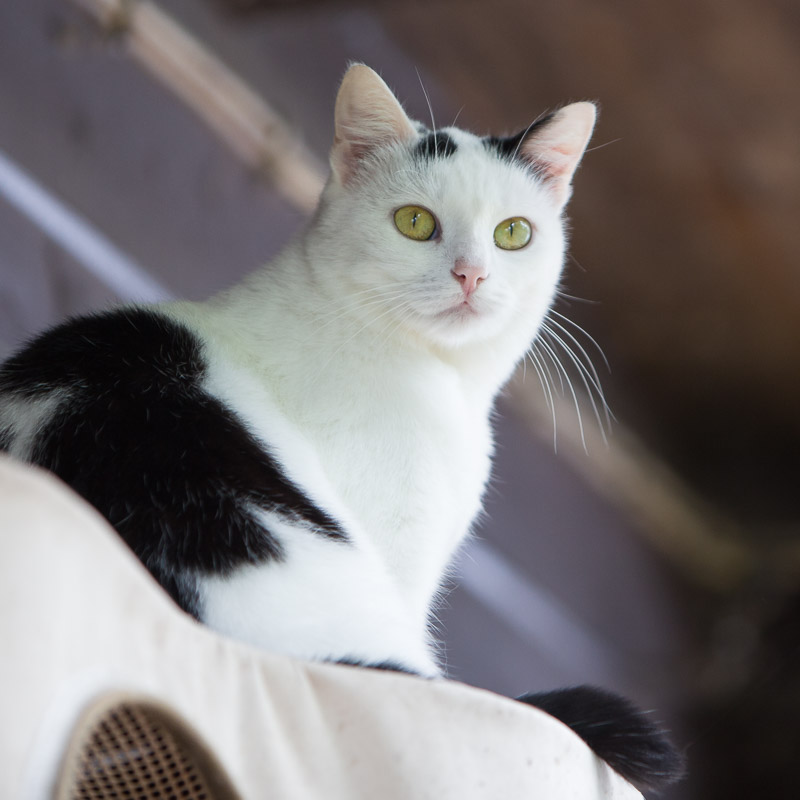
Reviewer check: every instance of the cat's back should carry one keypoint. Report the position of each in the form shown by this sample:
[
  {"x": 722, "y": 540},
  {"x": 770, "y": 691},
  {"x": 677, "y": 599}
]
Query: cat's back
[
  {"x": 127, "y": 356},
  {"x": 126, "y": 345},
  {"x": 114, "y": 404}
]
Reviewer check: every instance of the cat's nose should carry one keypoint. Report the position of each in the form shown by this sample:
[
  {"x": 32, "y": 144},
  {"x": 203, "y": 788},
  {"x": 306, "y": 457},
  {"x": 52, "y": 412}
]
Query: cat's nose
[{"x": 469, "y": 276}]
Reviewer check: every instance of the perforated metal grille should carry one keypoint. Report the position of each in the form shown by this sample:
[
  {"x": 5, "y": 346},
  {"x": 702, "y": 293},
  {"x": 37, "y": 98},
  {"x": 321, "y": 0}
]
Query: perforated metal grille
[{"x": 134, "y": 752}]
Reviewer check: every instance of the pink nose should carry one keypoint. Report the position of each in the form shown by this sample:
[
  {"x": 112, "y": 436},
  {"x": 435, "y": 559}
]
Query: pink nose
[{"x": 469, "y": 276}]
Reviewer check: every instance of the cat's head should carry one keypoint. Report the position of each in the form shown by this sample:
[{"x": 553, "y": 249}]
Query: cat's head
[{"x": 453, "y": 237}]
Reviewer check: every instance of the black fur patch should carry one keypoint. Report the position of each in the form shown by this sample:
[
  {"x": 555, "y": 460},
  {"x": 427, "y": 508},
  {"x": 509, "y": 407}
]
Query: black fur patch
[
  {"x": 5, "y": 440},
  {"x": 172, "y": 468},
  {"x": 617, "y": 731},
  {"x": 508, "y": 147},
  {"x": 435, "y": 145},
  {"x": 388, "y": 666}
]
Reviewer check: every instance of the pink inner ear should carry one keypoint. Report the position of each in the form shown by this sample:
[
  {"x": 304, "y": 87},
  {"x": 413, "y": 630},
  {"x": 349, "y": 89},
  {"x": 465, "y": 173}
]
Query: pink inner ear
[
  {"x": 555, "y": 159},
  {"x": 354, "y": 151},
  {"x": 557, "y": 149},
  {"x": 557, "y": 162},
  {"x": 346, "y": 157},
  {"x": 368, "y": 116}
]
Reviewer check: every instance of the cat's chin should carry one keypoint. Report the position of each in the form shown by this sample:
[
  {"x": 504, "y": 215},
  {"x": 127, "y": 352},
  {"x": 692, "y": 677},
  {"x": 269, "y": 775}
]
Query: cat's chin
[
  {"x": 460, "y": 324},
  {"x": 461, "y": 312}
]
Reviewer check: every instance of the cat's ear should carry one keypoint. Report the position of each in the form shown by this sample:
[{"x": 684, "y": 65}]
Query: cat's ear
[
  {"x": 555, "y": 146},
  {"x": 368, "y": 116}
]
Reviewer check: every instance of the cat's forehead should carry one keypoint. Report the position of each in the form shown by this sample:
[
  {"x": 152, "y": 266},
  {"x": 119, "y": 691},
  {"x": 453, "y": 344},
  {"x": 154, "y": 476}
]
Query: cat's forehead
[
  {"x": 446, "y": 142},
  {"x": 468, "y": 169},
  {"x": 463, "y": 150}
]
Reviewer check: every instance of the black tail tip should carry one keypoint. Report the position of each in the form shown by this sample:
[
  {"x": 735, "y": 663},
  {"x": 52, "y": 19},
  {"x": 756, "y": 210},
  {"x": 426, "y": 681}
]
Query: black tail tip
[{"x": 625, "y": 737}]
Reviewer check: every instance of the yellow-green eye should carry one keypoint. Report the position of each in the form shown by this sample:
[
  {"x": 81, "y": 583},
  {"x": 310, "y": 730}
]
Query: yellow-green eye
[
  {"x": 512, "y": 233},
  {"x": 415, "y": 222}
]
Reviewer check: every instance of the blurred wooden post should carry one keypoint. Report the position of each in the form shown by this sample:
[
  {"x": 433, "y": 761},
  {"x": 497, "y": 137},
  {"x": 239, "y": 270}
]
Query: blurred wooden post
[{"x": 256, "y": 133}]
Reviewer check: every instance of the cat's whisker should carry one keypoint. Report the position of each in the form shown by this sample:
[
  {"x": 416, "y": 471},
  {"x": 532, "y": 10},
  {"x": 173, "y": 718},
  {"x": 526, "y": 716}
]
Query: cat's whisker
[
  {"x": 585, "y": 376},
  {"x": 405, "y": 171},
  {"x": 355, "y": 298},
  {"x": 334, "y": 318},
  {"x": 590, "y": 378},
  {"x": 370, "y": 321},
  {"x": 578, "y": 264},
  {"x": 336, "y": 311},
  {"x": 458, "y": 114},
  {"x": 584, "y": 332},
  {"x": 522, "y": 138},
  {"x": 562, "y": 370},
  {"x": 601, "y": 146},
  {"x": 336, "y": 314},
  {"x": 358, "y": 332},
  {"x": 391, "y": 326},
  {"x": 325, "y": 320},
  {"x": 532, "y": 357},
  {"x": 561, "y": 293},
  {"x": 430, "y": 111},
  {"x": 548, "y": 394},
  {"x": 378, "y": 296},
  {"x": 526, "y": 132},
  {"x": 405, "y": 312},
  {"x": 573, "y": 297},
  {"x": 550, "y": 400},
  {"x": 587, "y": 383},
  {"x": 549, "y": 373},
  {"x": 546, "y": 369},
  {"x": 587, "y": 369}
]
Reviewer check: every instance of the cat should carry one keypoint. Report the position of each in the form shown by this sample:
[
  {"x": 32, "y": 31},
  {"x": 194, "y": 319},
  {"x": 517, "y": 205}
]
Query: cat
[{"x": 297, "y": 459}]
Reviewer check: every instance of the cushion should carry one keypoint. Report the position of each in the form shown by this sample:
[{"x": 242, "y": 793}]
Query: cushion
[{"x": 81, "y": 619}]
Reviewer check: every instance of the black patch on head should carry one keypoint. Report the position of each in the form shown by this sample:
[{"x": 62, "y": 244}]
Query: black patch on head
[
  {"x": 435, "y": 145},
  {"x": 508, "y": 147},
  {"x": 172, "y": 468},
  {"x": 618, "y": 732},
  {"x": 5, "y": 440}
]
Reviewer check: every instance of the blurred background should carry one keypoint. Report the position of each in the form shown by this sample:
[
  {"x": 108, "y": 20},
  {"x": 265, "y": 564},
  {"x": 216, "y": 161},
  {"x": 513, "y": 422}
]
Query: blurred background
[{"x": 150, "y": 150}]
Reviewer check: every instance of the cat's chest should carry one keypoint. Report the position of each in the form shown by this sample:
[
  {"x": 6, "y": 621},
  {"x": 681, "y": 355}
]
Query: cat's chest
[
  {"x": 403, "y": 453},
  {"x": 410, "y": 458},
  {"x": 407, "y": 452}
]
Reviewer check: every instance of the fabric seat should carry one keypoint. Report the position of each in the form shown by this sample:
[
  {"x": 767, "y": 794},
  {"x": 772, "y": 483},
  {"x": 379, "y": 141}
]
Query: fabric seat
[{"x": 82, "y": 621}]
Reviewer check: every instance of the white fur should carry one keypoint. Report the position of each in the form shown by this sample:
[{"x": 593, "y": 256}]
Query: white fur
[
  {"x": 349, "y": 355},
  {"x": 24, "y": 417},
  {"x": 301, "y": 606}
]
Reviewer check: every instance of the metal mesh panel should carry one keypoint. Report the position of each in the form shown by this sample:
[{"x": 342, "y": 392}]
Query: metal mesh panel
[{"x": 133, "y": 750}]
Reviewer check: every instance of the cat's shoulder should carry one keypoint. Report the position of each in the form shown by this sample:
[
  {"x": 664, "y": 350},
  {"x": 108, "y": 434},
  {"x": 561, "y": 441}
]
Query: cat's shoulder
[{"x": 122, "y": 346}]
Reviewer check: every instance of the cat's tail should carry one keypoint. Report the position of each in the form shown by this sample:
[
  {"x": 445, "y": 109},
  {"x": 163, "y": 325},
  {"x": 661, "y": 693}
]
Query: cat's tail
[{"x": 617, "y": 731}]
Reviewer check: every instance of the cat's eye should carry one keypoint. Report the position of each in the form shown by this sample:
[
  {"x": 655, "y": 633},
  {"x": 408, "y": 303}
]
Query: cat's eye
[
  {"x": 513, "y": 233},
  {"x": 415, "y": 222}
]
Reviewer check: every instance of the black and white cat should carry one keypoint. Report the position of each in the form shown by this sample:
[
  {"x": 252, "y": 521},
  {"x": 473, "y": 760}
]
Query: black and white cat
[{"x": 297, "y": 459}]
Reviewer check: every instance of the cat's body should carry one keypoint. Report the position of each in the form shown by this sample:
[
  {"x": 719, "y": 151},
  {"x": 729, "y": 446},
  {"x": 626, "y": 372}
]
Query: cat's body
[{"x": 297, "y": 460}]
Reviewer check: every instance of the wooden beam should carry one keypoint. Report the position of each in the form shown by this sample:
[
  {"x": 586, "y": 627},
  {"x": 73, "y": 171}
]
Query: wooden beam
[{"x": 242, "y": 119}]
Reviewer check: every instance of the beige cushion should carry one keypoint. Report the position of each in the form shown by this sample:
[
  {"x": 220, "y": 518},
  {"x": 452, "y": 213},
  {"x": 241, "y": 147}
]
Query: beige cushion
[{"x": 80, "y": 617}]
